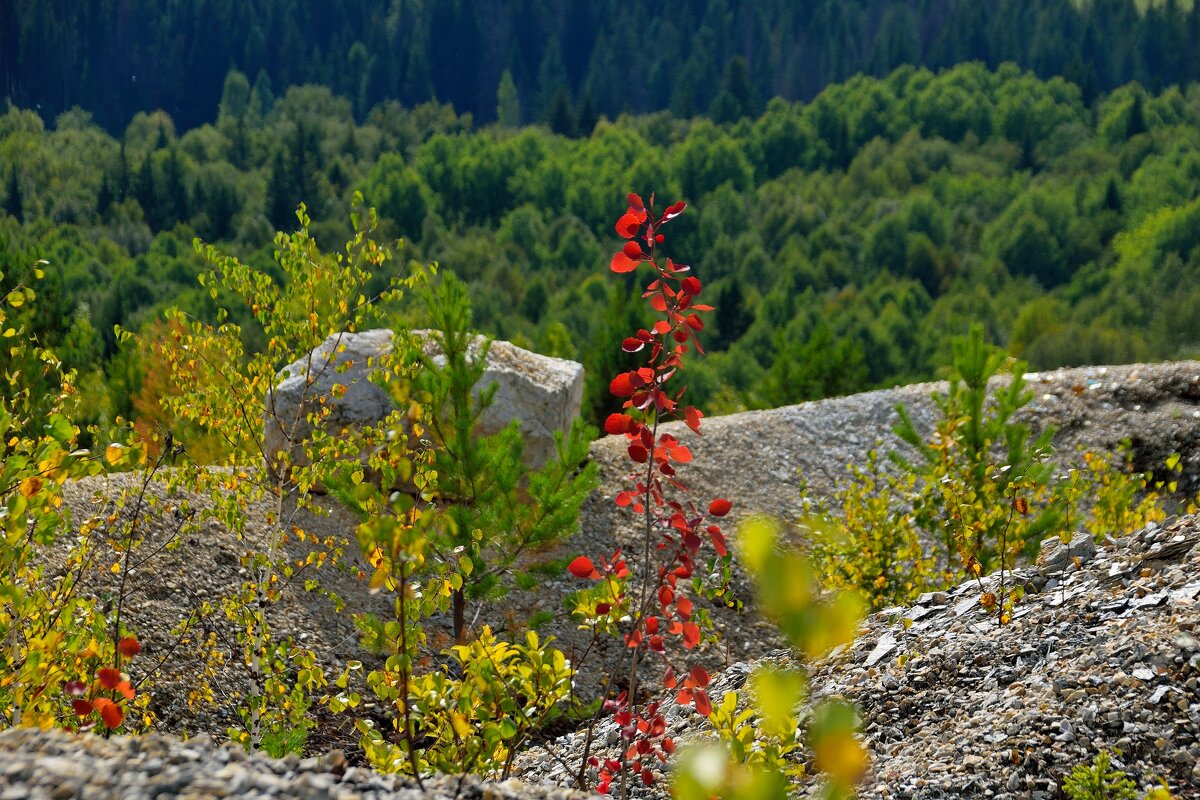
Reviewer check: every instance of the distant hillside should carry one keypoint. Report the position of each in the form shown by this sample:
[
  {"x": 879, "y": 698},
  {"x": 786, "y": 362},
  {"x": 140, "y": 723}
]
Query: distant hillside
[
  {"x": 724, "y": 58},
  {"x": 843, "y": 241}
]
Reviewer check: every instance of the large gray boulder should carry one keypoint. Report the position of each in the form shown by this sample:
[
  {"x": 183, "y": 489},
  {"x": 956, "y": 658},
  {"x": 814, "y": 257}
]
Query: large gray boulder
[{"x": 542, "y": 393}]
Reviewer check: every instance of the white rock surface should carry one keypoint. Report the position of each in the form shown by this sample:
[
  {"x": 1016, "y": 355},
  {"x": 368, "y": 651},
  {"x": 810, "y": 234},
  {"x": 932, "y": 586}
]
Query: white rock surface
[{"x": 542, "y": 393}]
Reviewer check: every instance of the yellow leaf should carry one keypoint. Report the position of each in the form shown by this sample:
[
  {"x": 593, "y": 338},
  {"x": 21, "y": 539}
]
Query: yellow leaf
[
  {"x": 113, "y": 453},
  {"x": 31, "y": 486},
  {"x": 461, "y": 727},
  {"x": 379, "y": 579}
]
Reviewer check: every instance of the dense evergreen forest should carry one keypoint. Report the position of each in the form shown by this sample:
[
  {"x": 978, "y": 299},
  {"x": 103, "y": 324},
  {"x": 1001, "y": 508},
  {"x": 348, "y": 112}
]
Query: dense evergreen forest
[
  {"x": 724, "y": 58},
  {"x": 844, "y": 239}
]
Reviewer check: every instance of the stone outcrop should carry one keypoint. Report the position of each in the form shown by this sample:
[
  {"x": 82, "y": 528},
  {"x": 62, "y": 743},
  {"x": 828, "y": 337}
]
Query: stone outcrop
[{"x": 542, "y": 393}]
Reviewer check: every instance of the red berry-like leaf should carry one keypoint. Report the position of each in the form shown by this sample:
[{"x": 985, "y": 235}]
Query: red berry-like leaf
[
  {"x": 632, "y": 250},
  {"x": 108, "y": 677},
  {"x": 690, "y": 286},
  {"x": 583, "y": 567},
  {"x": 719, "y": 507},
  {"x": 129, "y": 647}
]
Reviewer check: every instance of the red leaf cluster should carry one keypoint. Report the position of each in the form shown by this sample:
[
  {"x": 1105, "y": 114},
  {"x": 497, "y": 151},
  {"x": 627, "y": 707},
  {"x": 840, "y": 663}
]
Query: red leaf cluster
[{"x": 666, "y": 613}]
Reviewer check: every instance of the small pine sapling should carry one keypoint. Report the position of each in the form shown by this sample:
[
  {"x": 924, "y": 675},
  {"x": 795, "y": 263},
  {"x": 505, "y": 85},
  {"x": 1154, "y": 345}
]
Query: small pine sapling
[{"x": 496, "y": 513}]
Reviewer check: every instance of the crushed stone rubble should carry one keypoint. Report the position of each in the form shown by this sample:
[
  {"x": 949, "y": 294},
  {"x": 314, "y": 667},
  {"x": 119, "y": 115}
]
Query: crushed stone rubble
[{"x": 53, "y": 765}]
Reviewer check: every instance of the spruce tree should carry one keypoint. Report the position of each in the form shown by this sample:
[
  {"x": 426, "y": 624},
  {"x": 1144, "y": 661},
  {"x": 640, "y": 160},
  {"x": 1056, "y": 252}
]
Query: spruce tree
[
  {"x": 13, "y": 202},
  {"x": 508, "y": 102},
  {"x": 561, "y": 116}
]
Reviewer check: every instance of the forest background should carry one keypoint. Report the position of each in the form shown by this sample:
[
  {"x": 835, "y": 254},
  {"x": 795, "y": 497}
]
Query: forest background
[{"x": 869, "y": 176}]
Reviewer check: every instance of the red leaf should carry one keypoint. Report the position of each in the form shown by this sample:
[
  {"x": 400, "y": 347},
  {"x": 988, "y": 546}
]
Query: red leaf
[
  {"x": 624, "y": 498},
  {"x": 652, "y": 625},
  {"x": 719, "y": 507},
  {"x": 669, "y": 679},
  {"x": 647, "y": 776},
  {"x": 666, "y": 595},
  {"x": 718, "y": 540},
  {"x": 694, "y": 322},
  {"x": 618, "y": 423},
  {"x": 703, "y": 706},
  {"x": 668, "y": 745},
  {"x": 632, "y": 250},
  {"x": 622, "y": 385},
  {"x": 658, "y": 302},
  {"x": 630, "y": 222},
  {"x": 108, "y": 677},
  {"x": 110, "y": 713},
  {"x": 583, "y": 567},
  {"x": 691, "y": 634},
  {"x": 700, "y": 676},
  {"x": 632, "y": 345},
  {"x": 623, "y": 263},
  {"x": 75, "y": 688},
  {"x": 81, "y": 707},
  {"x": 125, "y": 690},
  {"x": 635, "y": 202},
  {"x": 684, "y": 607},
  {"x": 681, "y": 455},
  {"x": 692, "y": 417},
  {"x": 683, "y": 697},
  {"x": 129, "y": 647},
  {"x": 690, "y": 286},
  {"x": 674, "y": 210},
  {"x": 638, "y": 453}
]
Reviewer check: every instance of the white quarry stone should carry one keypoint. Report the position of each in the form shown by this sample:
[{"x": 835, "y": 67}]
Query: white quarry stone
[{"x": 543, "y": 393}]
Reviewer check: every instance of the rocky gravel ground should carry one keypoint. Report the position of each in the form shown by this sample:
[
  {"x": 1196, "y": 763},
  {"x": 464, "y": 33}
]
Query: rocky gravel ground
[
  {"x": 1103, "y": 653},
  {"x": 770, "y": 461},
  {"x": 52, "y": 765}
]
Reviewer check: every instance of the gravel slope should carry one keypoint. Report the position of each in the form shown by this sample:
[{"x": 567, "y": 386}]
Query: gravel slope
[{"x": 754, "y": 458}]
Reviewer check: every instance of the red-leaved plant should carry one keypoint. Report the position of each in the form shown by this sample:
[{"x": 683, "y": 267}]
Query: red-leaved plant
[{"x": 675, "y": 530}]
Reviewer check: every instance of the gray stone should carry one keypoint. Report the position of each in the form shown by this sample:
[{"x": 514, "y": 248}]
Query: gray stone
[
  {"x": 542, "y": 393},
  {"x": 1056, "y": 555}
]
